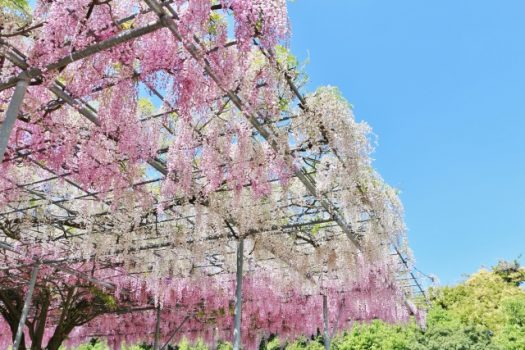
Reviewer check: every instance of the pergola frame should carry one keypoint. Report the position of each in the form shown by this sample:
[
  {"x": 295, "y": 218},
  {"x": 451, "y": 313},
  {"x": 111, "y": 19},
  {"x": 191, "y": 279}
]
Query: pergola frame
[{"x": 167, "y": 18}]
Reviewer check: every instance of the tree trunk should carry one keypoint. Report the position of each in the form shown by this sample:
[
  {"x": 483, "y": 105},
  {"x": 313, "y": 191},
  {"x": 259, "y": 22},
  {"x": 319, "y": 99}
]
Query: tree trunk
[
  {"x": 39, "y": 324},
  {"x": 12, "y": 312},
  {"x": 56, "y": 340}
]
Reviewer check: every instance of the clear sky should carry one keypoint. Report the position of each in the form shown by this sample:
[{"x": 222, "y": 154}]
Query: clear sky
[{"x": 442, "y": 83}]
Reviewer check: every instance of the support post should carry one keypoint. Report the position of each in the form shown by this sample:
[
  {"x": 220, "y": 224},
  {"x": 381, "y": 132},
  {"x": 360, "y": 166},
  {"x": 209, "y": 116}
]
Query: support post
[
  {"x": 157, "y": 330},
  {"x": 238, "y": 296},
  {"x": 25, "y": 309},
  {"x": 12, "y": 113},
  {"x": 326, "y": 328}
]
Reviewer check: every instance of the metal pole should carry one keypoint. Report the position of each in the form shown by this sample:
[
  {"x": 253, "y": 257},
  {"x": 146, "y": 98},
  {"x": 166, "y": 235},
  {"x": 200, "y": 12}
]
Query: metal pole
[
  {"x": 11, "y": 115},
  {"x": 157, "y": 330},
  {"x": 25, "y": 309},
  {"x": 238, "y": 296},
  {"x": 326, "y": 329}
]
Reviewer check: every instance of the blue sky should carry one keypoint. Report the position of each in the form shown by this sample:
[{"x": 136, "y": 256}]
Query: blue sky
[{"x": 442, "y": 83}]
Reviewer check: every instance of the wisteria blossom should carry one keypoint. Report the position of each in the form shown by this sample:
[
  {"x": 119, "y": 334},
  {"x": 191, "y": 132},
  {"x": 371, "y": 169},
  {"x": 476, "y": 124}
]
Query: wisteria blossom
[{"x": 152, "y": 140}]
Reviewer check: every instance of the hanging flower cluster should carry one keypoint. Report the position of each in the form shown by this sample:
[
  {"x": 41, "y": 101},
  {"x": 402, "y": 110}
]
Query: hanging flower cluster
[{"x": 269, "y": 308}]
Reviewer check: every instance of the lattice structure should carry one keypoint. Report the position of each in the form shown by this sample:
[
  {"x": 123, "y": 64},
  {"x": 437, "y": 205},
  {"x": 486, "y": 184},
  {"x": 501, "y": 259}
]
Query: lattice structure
[{"x": 146, "y": 138}]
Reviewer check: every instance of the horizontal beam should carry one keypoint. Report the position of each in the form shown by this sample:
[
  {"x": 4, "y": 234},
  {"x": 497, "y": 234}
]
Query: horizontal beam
[{"x": 78, "y": 55}]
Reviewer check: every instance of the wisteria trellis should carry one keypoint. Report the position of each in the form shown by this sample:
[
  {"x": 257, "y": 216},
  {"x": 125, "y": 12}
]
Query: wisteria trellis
[{"x": 97, "y": 177}]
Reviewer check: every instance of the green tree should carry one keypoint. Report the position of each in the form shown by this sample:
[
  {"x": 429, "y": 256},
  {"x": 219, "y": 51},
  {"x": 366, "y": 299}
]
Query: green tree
[
  {"x": 512, "y": 334},
  {"x": 478, "y": 300},
  {"x": 446, "y": 331},
  {"x": 377, "y": 336},
  {"x": 511, "y": 272}
]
